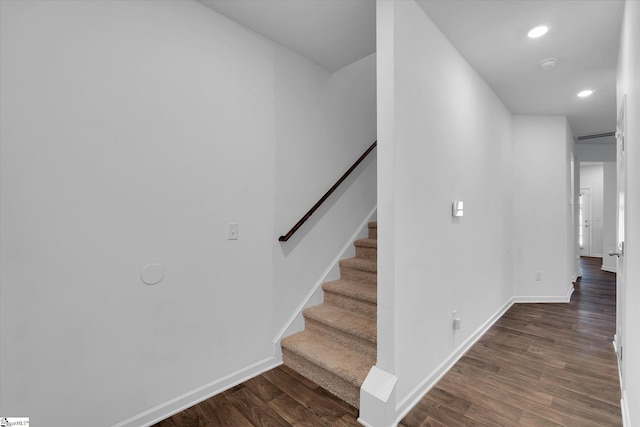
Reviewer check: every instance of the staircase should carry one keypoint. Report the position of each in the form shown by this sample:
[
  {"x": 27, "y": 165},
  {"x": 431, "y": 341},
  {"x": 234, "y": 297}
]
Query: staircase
[{"x": 338, "y": 346}]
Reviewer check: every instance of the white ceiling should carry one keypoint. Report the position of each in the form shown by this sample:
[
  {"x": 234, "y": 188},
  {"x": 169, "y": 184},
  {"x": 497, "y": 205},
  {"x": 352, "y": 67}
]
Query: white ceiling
[
  {"x": 490, "y": 34},
  {"x": 331, "y": 33},
  {"x": 584, "y": 36}
]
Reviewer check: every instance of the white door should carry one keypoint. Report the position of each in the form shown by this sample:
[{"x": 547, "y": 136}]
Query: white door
[
  {"x": 584, "y": 218},
  {"x": 619, "y": 252}
]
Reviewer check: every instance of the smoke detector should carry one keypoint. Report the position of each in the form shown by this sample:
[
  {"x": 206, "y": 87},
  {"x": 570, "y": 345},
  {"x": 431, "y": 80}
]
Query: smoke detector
[{"x": 548, "y": 63}]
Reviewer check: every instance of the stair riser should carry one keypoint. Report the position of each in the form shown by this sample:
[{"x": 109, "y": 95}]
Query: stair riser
[
  {"x": 325, "y": 379},
  {"x": 354, "y": 275},
  {"x": 357, "y": 344},
  {"x": 373, "y": 233},
  {"x": 357, "y": 306},
  {"x": 368, "y": 253}
]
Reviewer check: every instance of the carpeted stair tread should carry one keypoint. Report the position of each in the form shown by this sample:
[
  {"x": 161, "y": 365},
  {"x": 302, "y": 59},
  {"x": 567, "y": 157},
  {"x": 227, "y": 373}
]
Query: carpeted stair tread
[
  {"x": 343, "y": 320},
  {"x": 356, "y": 296},
  {"x": 356, "y": 290},
  {"x": 366, "y": 243},
  {"x": 367, "y": 248},
  {"x": 338, "y": 346},
  {"x": 359, "y": 269},
  {"x": 351, "y": 366},
  {"x": 360, "y": 264}
]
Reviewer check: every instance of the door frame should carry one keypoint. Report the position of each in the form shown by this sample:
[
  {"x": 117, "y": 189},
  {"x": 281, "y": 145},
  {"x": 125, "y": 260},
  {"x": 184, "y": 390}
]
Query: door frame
[{"x": 621, "y": 218}]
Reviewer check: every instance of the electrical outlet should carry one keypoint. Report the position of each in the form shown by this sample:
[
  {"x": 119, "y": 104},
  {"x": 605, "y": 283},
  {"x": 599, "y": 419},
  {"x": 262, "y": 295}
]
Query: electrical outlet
[
  {"x": 233, "y": 231},
  {"x": 538, "y": 276}
]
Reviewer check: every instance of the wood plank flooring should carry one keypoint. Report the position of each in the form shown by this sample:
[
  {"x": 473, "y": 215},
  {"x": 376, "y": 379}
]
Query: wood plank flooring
[
  {"x": 539, "y": 365},
  {"x": 279, "y": 397}
]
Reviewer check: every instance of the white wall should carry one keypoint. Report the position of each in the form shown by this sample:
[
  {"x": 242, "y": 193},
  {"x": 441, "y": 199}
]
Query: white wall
[
  {"x": 592, "y": 177},
  {"x": 629, "y": 84},
  {"x": 543, "y": 230},
  {"x": 324, "y": 122},
  {"x": 132, "y": 133},
  {"x": 385, "y": 66},
  {"x": 609, "y": 239},
  {"x": 594, "y": 152},
  {"x": 449, "y": 138}
]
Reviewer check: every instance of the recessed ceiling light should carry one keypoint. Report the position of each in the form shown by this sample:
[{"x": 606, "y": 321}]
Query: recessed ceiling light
[
  {"x": 585, "y": 93},
  {"x": 538, "y": 31}
]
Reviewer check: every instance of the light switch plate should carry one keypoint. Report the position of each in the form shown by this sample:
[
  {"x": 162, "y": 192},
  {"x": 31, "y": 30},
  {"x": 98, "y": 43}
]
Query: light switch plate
[
  {"x": 233, "y": 231},
  {"x": 457, "y": 208}
]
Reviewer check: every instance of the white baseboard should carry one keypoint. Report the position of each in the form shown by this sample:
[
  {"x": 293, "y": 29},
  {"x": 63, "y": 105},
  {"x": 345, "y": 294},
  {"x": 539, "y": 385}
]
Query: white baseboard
[
  {"x": 624, "y": 407},
  {"x": 403, "y": 408},
  {"x": 626, "y": 419},
  {"x": 186, "y": 400},
  {"x": 544, "y": 299},
  {"x": 609, "y": 269},
  {"x": 298, "y": 312},
  {"x": 366, "y": 424}
]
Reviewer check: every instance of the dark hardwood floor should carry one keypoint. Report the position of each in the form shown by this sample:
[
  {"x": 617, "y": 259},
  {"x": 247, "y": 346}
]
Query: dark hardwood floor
[
  {"x": 280, "y": 397},
  {"x": 539, "y": 365}
]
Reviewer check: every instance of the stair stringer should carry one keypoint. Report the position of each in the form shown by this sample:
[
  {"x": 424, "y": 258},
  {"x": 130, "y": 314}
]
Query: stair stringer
[{"x": 295, "y": 323}]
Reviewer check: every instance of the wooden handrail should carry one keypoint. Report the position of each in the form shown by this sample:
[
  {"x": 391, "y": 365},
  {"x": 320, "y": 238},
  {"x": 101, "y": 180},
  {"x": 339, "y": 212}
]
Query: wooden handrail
[{"x": 327, "y": 194}]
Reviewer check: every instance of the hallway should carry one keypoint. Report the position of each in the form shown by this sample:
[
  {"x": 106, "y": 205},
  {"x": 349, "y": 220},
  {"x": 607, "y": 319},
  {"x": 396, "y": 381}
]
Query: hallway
[{"x": 539, "y": 365}]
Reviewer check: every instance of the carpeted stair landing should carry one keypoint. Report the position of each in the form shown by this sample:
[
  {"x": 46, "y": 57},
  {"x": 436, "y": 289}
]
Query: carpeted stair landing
[{"x": 338, "y": 346}]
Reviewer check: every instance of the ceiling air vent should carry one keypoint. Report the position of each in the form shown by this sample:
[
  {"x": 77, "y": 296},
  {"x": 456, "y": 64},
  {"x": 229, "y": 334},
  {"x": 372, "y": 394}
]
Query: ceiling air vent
[{"x": 604, "y": 137}]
